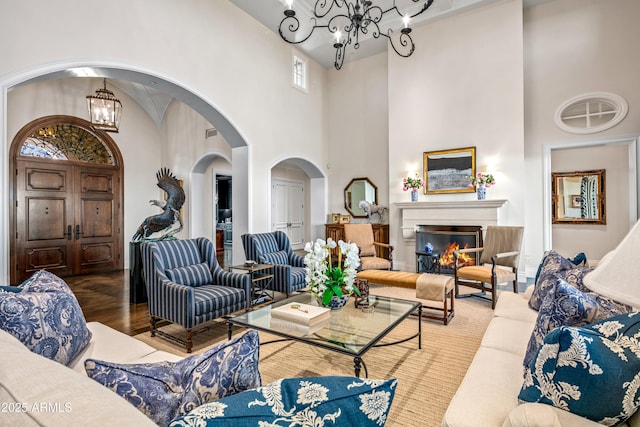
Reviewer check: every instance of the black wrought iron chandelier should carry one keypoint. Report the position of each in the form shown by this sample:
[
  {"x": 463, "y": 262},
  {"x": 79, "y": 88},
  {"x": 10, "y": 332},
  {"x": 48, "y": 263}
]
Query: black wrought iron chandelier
[{"x": 355, "y": 18}]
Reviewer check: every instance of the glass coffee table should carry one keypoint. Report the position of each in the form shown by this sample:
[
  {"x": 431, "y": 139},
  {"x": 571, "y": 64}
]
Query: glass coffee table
[{"x": 351, "y": 331}]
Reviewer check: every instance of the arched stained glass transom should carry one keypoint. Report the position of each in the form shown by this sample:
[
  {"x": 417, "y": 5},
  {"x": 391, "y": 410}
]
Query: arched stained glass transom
[{"x": 66, "y": 141}]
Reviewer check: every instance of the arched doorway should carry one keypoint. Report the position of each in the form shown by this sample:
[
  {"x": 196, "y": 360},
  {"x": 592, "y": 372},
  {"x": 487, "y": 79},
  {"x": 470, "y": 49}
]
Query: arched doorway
[
  {"x": 66, "y": 202},
  {"x": 211, "y": 203},
  {"x": 298, "y": 188}
]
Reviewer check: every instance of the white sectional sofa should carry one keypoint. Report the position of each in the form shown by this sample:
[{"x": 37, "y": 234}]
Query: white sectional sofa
[
  {"x": 45, "y": 344},
  {"x": 488, "y": 394},
  {"x": 36, "y": 391}
]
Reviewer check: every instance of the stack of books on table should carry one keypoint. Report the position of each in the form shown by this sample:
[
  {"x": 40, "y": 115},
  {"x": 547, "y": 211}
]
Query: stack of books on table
[{"x": 303, "y": 318}]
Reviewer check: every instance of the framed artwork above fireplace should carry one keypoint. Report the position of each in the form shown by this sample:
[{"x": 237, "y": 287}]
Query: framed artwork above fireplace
[{"x": 447, "y": 171}]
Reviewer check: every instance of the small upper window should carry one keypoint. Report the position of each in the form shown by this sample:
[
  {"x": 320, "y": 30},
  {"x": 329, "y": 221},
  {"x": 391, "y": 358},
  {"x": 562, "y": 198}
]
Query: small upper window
[
  {"x": 299, "y": 73},
  {"x": 591, "y": 112}
]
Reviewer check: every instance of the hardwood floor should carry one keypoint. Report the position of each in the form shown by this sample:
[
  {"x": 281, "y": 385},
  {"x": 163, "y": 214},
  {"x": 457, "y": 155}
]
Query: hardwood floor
[{"x": 104, "y": 298}]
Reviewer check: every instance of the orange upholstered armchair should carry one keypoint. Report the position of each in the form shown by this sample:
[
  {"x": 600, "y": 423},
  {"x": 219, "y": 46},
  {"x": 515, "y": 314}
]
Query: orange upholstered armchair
[{"x": 371, "y": 252}]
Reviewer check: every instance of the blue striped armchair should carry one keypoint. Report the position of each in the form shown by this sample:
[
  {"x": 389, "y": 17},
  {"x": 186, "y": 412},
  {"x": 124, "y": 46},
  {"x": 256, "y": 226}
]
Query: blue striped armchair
[
  {"x": 275, "y": 248},
  {"x": 186, "y": 285}
]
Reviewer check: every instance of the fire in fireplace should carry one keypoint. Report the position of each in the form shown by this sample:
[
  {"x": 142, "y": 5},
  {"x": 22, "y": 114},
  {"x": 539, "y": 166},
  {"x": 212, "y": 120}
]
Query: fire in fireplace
[{"x": 446, "y": 239}]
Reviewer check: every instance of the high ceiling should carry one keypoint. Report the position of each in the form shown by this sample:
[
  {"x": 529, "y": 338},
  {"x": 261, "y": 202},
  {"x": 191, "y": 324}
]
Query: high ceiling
[
  {"x": 320, "y": 45},
  {"x": 154, "y": 95}
]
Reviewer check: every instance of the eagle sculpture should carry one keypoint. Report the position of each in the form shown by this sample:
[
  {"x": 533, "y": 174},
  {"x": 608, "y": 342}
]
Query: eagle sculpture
[{"x": 166, "y": 224}]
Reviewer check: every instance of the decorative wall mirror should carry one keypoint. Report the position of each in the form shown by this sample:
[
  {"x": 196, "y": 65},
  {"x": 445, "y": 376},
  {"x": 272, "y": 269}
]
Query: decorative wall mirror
[
  {"x": 357, "y": 190},
  {"x": 579, "y": 197}
]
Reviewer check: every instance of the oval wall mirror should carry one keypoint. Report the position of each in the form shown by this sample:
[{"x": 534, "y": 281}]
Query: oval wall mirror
[
  {"x": 579, "y": 197},
  {"x": 357, "y": 190}
]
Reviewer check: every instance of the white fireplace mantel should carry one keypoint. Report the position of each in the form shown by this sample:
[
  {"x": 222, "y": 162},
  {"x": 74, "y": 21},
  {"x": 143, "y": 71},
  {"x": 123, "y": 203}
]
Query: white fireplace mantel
[{"x": 466, "y": 212}]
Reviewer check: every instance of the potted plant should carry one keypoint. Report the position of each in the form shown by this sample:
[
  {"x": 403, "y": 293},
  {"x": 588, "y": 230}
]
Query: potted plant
[
  {"x": 412, "y": 184},
  {"x": 331, "y": 284},
  {"x": 481, "y": 181}
]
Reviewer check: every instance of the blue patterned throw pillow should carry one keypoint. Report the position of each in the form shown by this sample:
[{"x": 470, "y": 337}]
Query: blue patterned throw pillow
[
  {"x": 564, "y": 305},
  {"x": 313, "y": 401},
  {"x": 166, "y": 390},
  {"x": 46, "y": 317},
  {"x": 556, "y": 266},
  {"x": 593, "y": 371}
]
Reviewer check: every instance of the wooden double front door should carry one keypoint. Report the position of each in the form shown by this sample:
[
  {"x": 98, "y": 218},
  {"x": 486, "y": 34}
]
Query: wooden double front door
[{"x": 67, "y": 218}]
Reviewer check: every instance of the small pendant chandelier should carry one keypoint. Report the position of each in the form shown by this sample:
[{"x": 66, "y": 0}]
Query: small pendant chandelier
[{"x": 104, "y": 109}]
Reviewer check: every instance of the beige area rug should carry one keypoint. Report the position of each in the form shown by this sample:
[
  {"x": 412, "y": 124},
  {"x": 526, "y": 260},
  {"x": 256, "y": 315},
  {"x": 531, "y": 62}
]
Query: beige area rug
[{"x": 427, "y": 378}]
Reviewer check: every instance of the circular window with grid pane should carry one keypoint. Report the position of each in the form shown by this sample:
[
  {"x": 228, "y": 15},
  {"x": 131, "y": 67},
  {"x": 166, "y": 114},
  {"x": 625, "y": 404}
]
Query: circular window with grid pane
[{"x": 591, "y": 112}]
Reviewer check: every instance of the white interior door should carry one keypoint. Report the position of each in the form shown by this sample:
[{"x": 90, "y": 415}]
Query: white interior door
[
  {"x": 287, "y": 210},
  {"x": 296, "y": 215}
]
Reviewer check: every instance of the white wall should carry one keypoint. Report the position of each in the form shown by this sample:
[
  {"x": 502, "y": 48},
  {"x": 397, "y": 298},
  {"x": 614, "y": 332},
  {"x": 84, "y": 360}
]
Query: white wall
[
  {"x": 139, "y": 140},
  {"x": 462, "y": 87},
  {"x": 574, "y": 47},
  {"x": 358, "y": 128},
  {"x": 492, "y": 78},
  {"x": 489, "y": 78},
  {"x": 595, "y": 240},
  {"x": 212, "y": 49},
  {"x": 184, "y": 148}
]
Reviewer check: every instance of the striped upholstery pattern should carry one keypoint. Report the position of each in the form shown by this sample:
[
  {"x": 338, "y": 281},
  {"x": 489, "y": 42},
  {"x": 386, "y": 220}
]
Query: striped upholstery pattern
[
  {"x": 178, "y": 253},
  {"x": 278, "y": 257},
  {"x": 261, "y": 247},
  {"x": 191, "y": 275},
  {"x": 187, "y": 305}
]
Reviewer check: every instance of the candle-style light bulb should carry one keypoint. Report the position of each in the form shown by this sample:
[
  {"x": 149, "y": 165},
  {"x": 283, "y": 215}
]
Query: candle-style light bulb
[
  {"x": 289, "y": 4},
  {"x": 405, "y": 20},
  {"x": 338, "y": 36}
]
